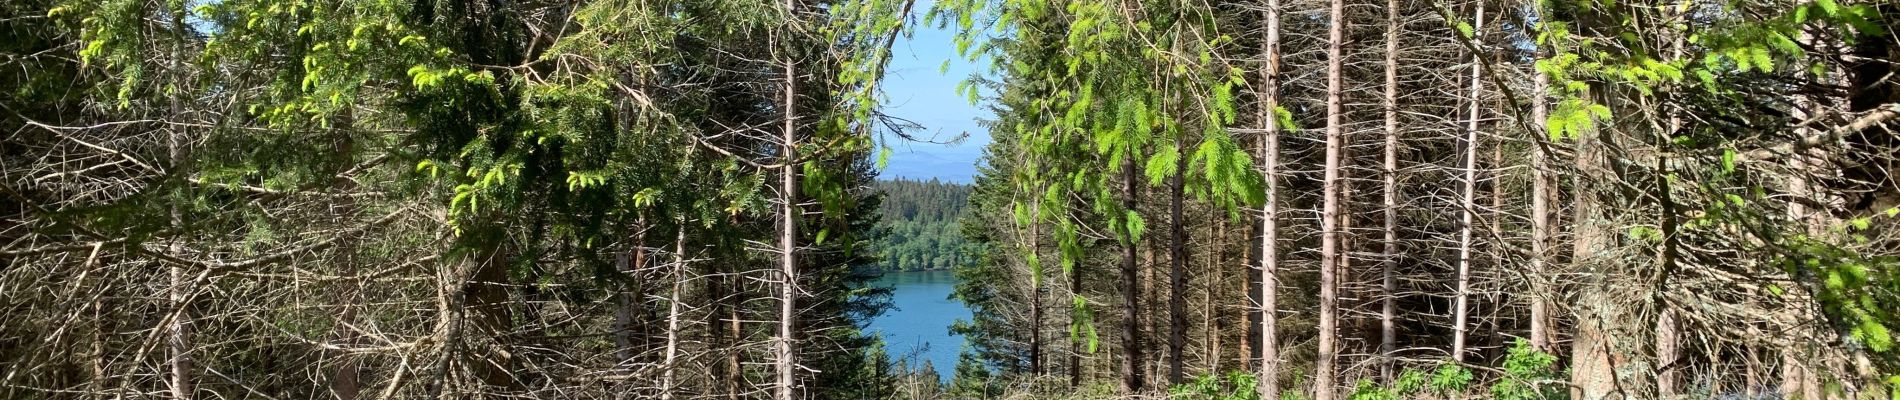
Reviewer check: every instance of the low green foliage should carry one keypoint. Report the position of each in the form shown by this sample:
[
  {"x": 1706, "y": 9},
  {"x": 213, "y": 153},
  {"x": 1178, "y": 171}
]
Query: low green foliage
[
  {"x": 1529, "y": 374},
  {"x": 1237, "y": 385}
]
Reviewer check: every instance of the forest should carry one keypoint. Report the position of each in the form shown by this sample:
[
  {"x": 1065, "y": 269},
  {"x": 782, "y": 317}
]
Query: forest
[
  {"x": 1196, "y": 199},
  {"x": 918, "y": 224}
]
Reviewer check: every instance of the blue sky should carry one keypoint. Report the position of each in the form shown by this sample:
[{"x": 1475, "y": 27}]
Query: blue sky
[{"x": 916, "y": 91}]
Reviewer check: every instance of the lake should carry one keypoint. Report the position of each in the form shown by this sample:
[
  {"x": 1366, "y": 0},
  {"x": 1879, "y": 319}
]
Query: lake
[{"x": 918, "y": 324}]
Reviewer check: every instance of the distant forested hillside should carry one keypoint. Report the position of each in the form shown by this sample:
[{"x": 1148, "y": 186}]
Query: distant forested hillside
[{"x": 920, "y": 218}]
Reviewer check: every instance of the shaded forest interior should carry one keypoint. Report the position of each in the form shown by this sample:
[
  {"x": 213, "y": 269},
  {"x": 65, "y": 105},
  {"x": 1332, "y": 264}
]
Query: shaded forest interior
[{"x": 1200, "y": 199}]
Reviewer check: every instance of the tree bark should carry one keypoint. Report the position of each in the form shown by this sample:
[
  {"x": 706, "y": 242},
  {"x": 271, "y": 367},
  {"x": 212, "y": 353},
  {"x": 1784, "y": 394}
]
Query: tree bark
[
  {"x": 668, "y": 378},
  {"x": 1324, "y": 371},
  {"x": 1035, "y": 289},
  {"x": 1268, "y": 114},
  {"x": 784, "y": 357},
  {"x": 1541, "y": 189},
  {"x": 486, "y": 294},
  {"x": 1177, "y": 279},
  {"x": 1133, "y": 363},
  {"x": 1461, "y": 309},
  {"x": 1667, "y": 352},
  {"x": 1075, "y": 344},
  {"x": 1592, "y": 373},
  {"x": 178, "y": 343},
  {"x": 1389, "y": 255},
  {"x": 1799, "y": 378},
  {"x": 1212, "y": 325}
]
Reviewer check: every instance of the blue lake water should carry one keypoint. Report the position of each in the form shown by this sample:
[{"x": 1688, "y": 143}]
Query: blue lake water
[{"x": 918, "y": 326}]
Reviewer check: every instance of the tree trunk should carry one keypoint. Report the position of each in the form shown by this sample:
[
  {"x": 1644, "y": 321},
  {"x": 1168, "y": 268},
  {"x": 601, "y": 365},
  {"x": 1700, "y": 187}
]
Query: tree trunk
[
  {"x": 485, "y": 294},
  {"x": 722, "y": 328},
  {"x": 1389, "y": 255},
  {"x": 629, "y": 327},
  {"x": 1324, "y": 371},
  {"x": 1075, "y": 342},
  {"x": 668, "y": 377},
  {"x": 346, "y": 377},
  {"x": 1668, "y": 329},
  {"x": 1592, "y": 373},
  {"x": 178, "y": 343},
  {"x": 1035, "y": 289},
  {"x": 1540, "y": 200},
  {"x": 1667, "y": 353},
  {"x": 784, "y": 357},
  {"x": 1799, "y": 378},
  {"x": 1177, "y": 279},
  {"x": 1268, "y": 114},
  {"x": 1461, "y": 310},
  {"x": 1133, "y": 363},
  {"x": 1212, "y": 326}
]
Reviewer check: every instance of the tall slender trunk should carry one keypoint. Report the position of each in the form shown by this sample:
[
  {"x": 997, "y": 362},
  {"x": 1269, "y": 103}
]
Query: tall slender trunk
[
  {"x": 1668, "y": 330},
  {"x": 1075, "y": 344},
  {"x": 1541, "y": 189},
  {"x": 1591, "y": 374},
  {"x": 97, "y": 383},
  {"x": 1469, "y": 204},
  {"x": 1389, "y": 256},
  {"x": 721, "y": 331},
  {"x": 668, "y": 377},
  {"x": 178, "y": 344},
  {"x": 1799, "y": 378},
  {"x": 1035, "y": 289},
  {"x": 628, "y": 324},
  {"x": 1133, "y": 363},
  {"x": 785, "y": 358},
  {"x": 1177, "y": 279},
  {"x": 100, "y": 327},
  {"x": 1268, "y": 114},
  {"x": 1212, "y": 325},
  {"x": 1324, "y": 371}
]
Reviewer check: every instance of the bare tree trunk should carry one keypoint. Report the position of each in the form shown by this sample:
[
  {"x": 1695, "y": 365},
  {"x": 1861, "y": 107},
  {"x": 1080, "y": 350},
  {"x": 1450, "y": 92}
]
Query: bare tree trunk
[
  {"x": 1389, "y": 255},
  {"x": 1668, "y": 329},
  {"x": 1269, "y": 380},
  {"x": 1592, "y": 375},
  {"x": 1035, "y": 289},
  {"x": 1799, "y": 378},
  {"x": 346, "y": 377},
  {"x": 1540, "y": 199},
  {"x": 784, "y": 357},
  {"x": 1177, "y": 279},
  {"x": 1075, "y": 344},
  {"x": 178, "y": 344},
  {"x": 1461, "y": 310},
  {"x": 1213, "y": 326},
  {"x": 722, "y": 327},
  {"x": 487, "y": 295},
  {"x": 97, "y": 384},
  {"x": 1324, "y": 371},
  {"x": 1133, "y": 363},
  {"x": 668, "y": 378},
  {"x": 1667, "y": 353},
  {"x": 627, "y": 321}
]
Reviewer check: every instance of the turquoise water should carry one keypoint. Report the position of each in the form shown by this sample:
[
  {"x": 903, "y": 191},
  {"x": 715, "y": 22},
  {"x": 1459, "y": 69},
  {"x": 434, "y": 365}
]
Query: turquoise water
[{"x": 917, "y": 328}]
